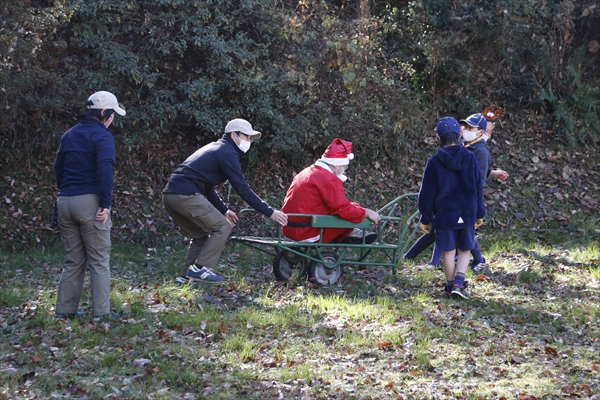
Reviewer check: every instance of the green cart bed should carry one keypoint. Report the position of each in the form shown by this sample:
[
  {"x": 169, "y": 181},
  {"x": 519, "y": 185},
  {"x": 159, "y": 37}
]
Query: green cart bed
[{"x": 324, "y": 262}]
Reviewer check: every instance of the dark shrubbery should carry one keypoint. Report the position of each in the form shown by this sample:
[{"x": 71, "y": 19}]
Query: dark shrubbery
[
  {"x": 302, "y": 73},
  {"x": 375, "y": 73}
]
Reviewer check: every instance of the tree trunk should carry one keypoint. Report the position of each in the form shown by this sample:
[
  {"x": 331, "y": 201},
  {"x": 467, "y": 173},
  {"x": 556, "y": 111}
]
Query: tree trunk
[{"x": 365, "y": 8}]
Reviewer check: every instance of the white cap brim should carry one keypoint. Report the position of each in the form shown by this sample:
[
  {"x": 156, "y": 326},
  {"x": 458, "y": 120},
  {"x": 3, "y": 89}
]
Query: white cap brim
[
  {"x": 255, "y": 134},
  {"x": 120, "y": 111}
]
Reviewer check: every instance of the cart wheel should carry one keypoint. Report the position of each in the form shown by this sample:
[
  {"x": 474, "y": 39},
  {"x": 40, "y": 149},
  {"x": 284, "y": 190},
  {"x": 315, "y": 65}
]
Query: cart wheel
[
  {"x": 287, "y": 265},
  {"x": 324, "y": 275}
]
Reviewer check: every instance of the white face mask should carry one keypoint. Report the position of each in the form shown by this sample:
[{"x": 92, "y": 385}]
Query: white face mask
[
  {"x": 243, "y": 145},
  {"x": 469, "y": 136},
  {"x": 485, "y": 137}
]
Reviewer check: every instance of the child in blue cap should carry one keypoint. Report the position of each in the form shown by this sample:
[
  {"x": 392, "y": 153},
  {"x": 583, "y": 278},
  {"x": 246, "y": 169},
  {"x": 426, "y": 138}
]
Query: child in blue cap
[
  {"x": 473, "y": 129},
  {"x": 451, "y": 203}
]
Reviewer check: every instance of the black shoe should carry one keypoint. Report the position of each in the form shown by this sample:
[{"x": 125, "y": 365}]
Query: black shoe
[
  {"x": 370, "y": 237},
  {"x": 459, "y": 291},
  {"x": 357, "y": 236}
]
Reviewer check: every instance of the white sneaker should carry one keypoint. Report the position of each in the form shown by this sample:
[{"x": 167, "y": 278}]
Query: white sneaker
[
  {"x": 479, "y": 267},
  {"x": 427, "y": 266}
]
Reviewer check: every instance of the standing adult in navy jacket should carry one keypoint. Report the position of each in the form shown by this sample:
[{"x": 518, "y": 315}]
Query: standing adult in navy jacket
[
  {"x": 451, "y": 202},
  {"x": 84, "y": 175},
  {"x": 191, "y": 200}
]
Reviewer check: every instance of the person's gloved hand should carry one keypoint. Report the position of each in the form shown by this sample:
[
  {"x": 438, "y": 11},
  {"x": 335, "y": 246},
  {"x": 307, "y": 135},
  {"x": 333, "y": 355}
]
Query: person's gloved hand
[
  {"x": 425, "y": 229},
  {"x": 478, "y": 223}
]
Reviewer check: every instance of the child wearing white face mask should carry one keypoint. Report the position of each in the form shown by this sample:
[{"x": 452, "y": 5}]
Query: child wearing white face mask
[{"x": 474, "y": 130}]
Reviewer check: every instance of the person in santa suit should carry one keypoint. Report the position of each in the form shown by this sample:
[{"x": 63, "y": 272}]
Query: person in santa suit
[{"x": 318, "y": 189}]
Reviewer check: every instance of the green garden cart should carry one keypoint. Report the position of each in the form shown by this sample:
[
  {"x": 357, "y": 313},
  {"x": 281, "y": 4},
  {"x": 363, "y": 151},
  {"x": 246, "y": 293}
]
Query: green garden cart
[{"x": 324, "y": 262}]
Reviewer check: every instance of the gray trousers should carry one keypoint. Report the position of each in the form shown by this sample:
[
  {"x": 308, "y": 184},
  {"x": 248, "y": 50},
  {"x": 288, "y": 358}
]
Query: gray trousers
[
  {"x": 206, "y": 227},
  {"x": 87, "y": 244}
]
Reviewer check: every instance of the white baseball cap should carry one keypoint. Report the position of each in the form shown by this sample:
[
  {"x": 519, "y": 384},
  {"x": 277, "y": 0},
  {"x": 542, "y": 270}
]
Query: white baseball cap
[
  {"x": 241, "y": 125},
  {"x": 105, "y": 101}
]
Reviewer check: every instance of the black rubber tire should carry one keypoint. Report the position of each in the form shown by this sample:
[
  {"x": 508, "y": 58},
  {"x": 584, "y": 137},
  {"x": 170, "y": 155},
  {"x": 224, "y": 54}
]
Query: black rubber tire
[
  {"x": 287, "y": 265},
  {"x": 323, "y": 275}
]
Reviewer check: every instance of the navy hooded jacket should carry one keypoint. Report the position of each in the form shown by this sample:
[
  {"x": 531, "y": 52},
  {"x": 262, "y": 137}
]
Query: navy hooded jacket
[
  {"x": 209, "y": 166},
  {"x": 451, "y": 195}
]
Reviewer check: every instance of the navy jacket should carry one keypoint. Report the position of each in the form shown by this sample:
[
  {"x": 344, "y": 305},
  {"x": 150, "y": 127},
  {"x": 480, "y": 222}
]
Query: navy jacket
[
  {"x": 209, "y": 166},
  {"x": 482, "y": 153},
  {"x": 451, "y": 195},
  {"x": 84, "y": 161}
]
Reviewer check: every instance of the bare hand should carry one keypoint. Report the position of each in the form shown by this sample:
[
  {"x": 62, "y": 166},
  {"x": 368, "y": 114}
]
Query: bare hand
[
  {"x": 103, "y": 214},
  {"x": 279, "y": 217},
  {"x": 231, "y": 217},
  {"x": 373, "y": 215},
  {"x": 500, "y": 174}
]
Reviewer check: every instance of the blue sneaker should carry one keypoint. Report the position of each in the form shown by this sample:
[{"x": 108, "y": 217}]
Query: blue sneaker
[
  {"x": 112, "y": 316},
  {"x": 203, "y": 274},
  {"x": 77, "y": 315}
]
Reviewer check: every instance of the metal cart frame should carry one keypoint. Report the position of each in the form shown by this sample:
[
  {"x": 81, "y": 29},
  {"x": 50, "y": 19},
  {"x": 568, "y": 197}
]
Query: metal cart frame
[{"x": 324, "y": 261}]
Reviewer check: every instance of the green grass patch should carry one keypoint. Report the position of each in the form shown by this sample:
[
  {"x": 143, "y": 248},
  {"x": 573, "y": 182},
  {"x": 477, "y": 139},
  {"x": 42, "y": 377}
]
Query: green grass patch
[{"x": 531, "y": 327}]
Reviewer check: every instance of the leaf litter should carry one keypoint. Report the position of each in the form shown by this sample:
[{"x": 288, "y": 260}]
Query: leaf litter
[{"x": 373, "y": 335}]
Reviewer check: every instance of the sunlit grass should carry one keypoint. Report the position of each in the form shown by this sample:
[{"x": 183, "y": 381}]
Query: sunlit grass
[{"x": 361, "y": 335}]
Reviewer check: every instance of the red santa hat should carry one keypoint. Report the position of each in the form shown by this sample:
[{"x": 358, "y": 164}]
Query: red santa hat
[{"x": 339, "y": 152}]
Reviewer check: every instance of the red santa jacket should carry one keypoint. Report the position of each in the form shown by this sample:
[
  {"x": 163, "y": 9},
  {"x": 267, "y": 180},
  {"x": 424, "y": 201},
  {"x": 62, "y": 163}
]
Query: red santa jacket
[{"x": 316, "y": 190}]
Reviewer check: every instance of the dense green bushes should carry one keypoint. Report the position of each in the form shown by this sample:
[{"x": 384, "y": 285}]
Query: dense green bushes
[
  {"x": 302, "y": 73},
  {"x": 517, "y": 53}
]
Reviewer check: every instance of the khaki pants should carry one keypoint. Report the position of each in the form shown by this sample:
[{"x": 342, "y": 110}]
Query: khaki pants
[
  {"x": 87, "y": 243},
  {"x": 206, "y": 227}
]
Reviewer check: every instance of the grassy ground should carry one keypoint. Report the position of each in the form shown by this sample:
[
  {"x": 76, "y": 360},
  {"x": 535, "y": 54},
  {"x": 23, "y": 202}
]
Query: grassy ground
[{"x": 530, "y": 331}]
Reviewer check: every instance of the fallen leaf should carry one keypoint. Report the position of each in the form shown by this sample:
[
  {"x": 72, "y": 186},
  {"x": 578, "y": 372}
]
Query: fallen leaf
[
  {"x": 384, "y": 345},
  {"x": 526, "y": 397},
  {"x": 551, "y": 351},
  {"x": 516, "y": 359}
]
